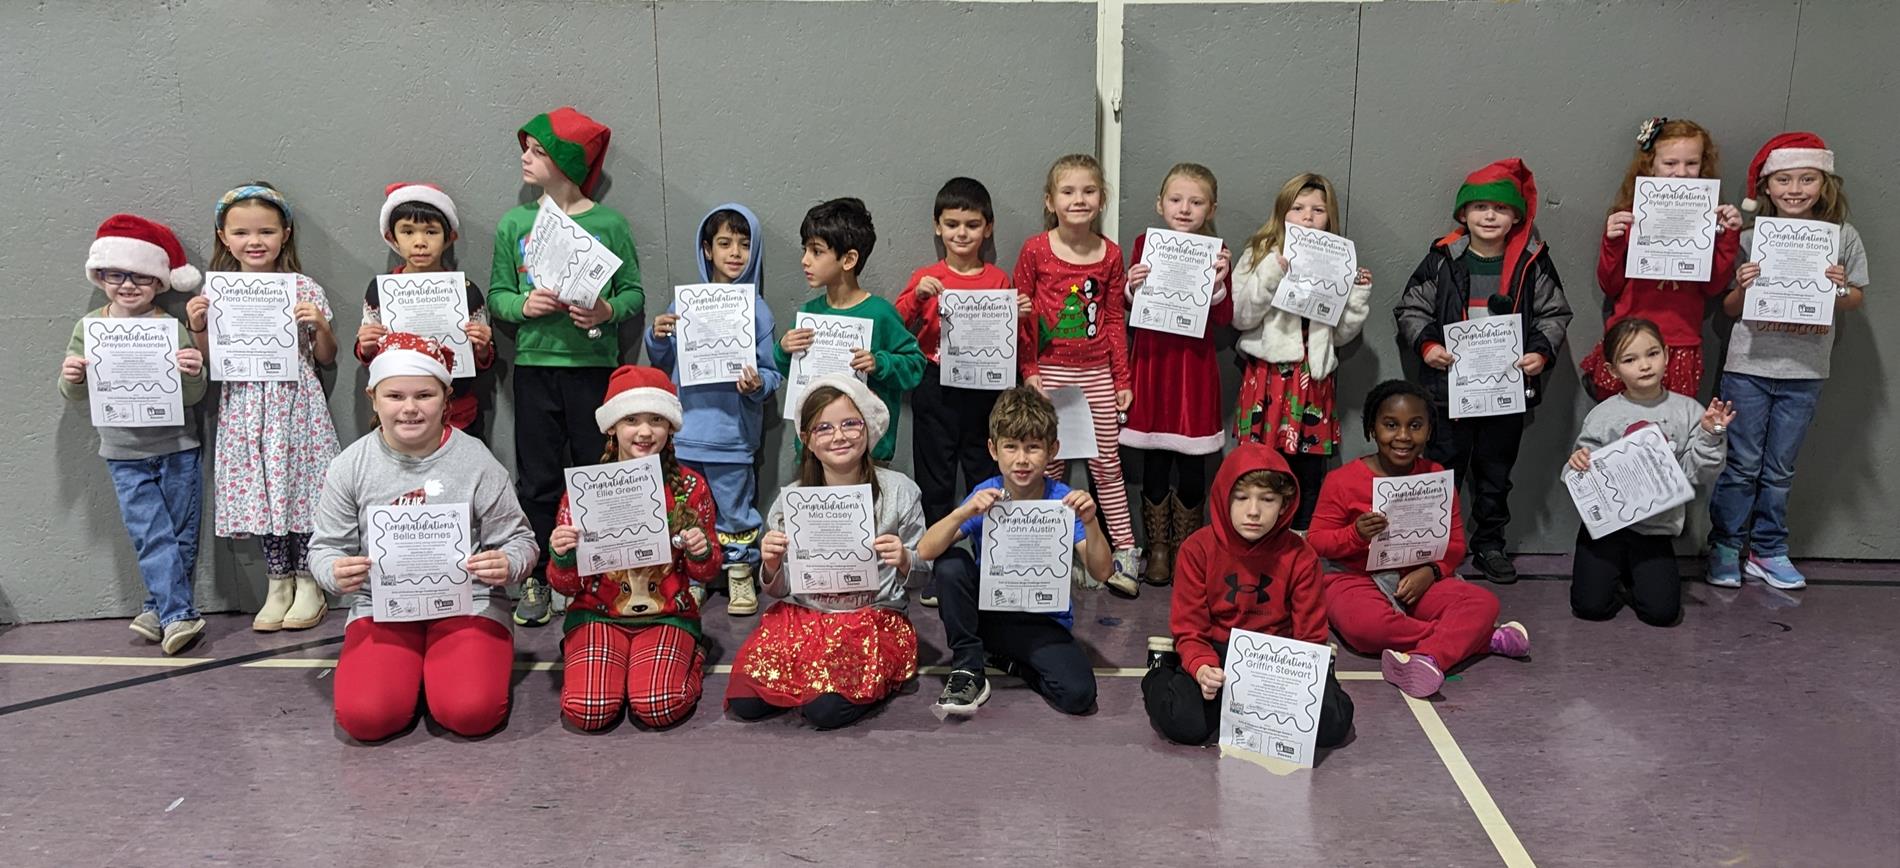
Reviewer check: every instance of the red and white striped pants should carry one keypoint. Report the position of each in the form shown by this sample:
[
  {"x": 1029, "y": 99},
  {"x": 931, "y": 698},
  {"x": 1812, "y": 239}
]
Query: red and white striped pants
[
  {"x": 1111, "y": 494},
  {"x": 655, "y": 671}
]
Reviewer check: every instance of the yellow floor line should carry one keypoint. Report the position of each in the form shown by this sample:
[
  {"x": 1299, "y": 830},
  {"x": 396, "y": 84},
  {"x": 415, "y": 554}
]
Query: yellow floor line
[
  {"x": 1479, "y": 798},
  {"x": 85, "y": 660}
]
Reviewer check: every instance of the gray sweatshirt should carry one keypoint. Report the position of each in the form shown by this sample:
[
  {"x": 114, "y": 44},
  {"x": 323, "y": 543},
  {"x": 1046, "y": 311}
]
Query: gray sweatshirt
[
  {"x": 900, "y": 512},
  {"x": 369, "y": 473},
  {"x": 123, "y": 444},
  {"x": 1700, "y": 453}
]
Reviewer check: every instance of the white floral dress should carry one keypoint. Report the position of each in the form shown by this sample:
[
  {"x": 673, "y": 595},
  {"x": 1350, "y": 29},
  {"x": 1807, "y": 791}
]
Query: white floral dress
[{"x": 275, "y": 442}]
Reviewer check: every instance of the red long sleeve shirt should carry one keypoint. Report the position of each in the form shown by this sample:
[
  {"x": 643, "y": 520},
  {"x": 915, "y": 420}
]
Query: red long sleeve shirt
[
  {"x": 1675, "y": 306},
  {"x": 1079, "y": 311},
  {"x": 920, "y": 314},
  {"x": 1346, "y": 495}
]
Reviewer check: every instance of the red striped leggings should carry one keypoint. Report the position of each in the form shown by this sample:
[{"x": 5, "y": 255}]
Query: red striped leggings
[
  {"x": 1111, "y": 494},
  {"x": 461, "y": 666},
  {"x": 654, "y": 671}
]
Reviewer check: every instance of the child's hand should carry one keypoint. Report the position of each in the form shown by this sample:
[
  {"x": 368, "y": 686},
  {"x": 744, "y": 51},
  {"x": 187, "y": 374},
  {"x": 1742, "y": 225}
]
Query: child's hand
[
  {"x": 663, "y": 325},
  {"x": 1439, "y": 357},
  {"x": 1034, "y": 381},
  {"x": 1414, "y": 584},
  {"x": 750, "y": 382},
  {"x": 772, "y": 549},
  {"x": 563, "y": 539},
  {"x": 542, "y": 302},
  {"x": 1025, "y": 304},
  {"x": 694, "y": 541},
  {"x": 1745, "y": 275},
  {"x": 1531, "y": 364},
  {"x": 1082, "y": 503},
  {"x": 195, "y": 311},
  {"x": 1281, "y": 259},
  {"x": 1138, "y": 275},
  {"x": 891, "y": 551},
  {"x": 369, "y": 335},
  {"x": 1719, "y": 414},
  {"x": 1580, "y": 460},
  {"x": 862, "y": 361},
  {"x": 191, "y": 361},
  {"x": 1123, "y": 398},
  {"x": 1369, "y": 525},
  {"x": 73, "y": 370},
  {"x": 979, "y": 502},
  {"x": 1223, "y": 265},
  {"x": 1728, "y": 218},
  {"x": 309, "y": 314},
  {"x": 489, "y": 567},
  {"x": 1210, "y": 678},
  {"x": 1364, "y": 278},
  {"x": 480, "y": 336},
  {"x": 1837, "y": 273},
  {"x": 928, "y": 287},
  {"x": 590, "y": 317},
  {"x": 796, "y": 340},
  {"x": 1619, "y": 224},
  {"x": 350, "y": 573}
]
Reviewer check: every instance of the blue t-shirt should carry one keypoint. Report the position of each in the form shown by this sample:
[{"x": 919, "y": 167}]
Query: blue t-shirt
[{"x": 973, "y": 530}]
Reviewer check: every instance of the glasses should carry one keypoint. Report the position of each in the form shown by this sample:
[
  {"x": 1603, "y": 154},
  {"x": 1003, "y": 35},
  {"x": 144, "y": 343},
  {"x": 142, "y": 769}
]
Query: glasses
[
  {"x": 849, "y": 428},
  {"x": 121, "y": 278}
]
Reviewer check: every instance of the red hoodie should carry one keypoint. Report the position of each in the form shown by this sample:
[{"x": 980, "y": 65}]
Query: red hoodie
[
  {"x": 1346, "y": 495},
  {"x": 1223, "y": 582}
]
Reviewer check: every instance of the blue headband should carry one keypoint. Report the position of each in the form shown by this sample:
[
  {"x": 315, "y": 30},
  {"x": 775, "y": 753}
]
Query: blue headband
[{"x": 253, "y": 191}]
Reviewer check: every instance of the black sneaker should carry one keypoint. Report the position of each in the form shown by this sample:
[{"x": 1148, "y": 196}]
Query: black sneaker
[
  {"x": 963, "y": 692},
  {"x": 1161, "y": 653},
  {"x": 1496, "y": 566}
]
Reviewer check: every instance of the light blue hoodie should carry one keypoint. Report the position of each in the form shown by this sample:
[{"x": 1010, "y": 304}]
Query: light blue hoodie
[{"x": 722, "y": 425}]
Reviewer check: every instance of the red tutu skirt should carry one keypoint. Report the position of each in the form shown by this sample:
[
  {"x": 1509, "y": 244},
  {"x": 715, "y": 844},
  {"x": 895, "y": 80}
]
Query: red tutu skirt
[{"x": 798, "y": 654}]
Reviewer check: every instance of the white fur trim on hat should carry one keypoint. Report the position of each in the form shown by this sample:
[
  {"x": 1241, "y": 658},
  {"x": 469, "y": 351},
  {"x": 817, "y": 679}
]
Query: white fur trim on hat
[
  {"x": 422, "y": 193},
  {"x": 397, "y": 362},
  {"x": 120, "y": 253},
  {"x": 877, "y": 417},
  {"x": 1783, "y": 159},
  {"x": 646, "y": 399}
]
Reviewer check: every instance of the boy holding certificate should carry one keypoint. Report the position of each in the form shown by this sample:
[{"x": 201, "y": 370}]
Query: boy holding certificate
[{"x": 1035, "y": 645}]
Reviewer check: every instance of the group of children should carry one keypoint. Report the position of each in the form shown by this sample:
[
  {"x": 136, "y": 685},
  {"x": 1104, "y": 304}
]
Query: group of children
[{"x": 1275, "y": 509}]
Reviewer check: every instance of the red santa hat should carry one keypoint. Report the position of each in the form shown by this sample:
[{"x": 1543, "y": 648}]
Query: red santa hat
[
  {"x": 127, "y": 242},
  {"x": 639, "y": 389},
  {"x": 402, "y": 354},
  {"x": 1797, "y": 150},
  {"x": 403, "y": 192}
]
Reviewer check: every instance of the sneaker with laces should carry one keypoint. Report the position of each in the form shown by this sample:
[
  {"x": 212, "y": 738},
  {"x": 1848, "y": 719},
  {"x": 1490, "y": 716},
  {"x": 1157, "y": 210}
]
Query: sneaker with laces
[
  {"x": 179, "y": 634},
  {"x": 963, "y": 692},
  {"x": 1416, "y": 675},
  {"x": 1778, "y": 572},
  {"x": 742, "y": 597},
  {"x": 1510, "y": 639},
  {"x": 1125, "y": 581},
  {"x": 146, "y": 625},
  {"x": 1725, "y": 566},
  {"x": 536, "y": 604},
  {"x": 1496, "y": 566}
]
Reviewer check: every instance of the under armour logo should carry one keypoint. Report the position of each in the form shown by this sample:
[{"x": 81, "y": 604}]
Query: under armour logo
[{"x": 1258, "y": 590}]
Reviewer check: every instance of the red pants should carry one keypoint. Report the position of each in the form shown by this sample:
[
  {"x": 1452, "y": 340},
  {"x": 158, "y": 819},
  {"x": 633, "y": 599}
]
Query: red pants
[
  {"x": 654, "y": 671},
  {"x": 460, "y": 665},
  {"x": 1451, "y": 622}
]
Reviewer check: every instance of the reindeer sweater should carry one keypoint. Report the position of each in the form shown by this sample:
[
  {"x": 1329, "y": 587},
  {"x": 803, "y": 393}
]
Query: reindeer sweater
[{"x": 645, "y": 596}]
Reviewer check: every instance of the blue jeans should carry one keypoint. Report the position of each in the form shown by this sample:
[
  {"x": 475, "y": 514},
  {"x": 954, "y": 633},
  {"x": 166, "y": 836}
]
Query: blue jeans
[
  {"x": 735, "y": 492},
  {"x": 158, "y": 499},
  {"x": 1749, "y": 507}
]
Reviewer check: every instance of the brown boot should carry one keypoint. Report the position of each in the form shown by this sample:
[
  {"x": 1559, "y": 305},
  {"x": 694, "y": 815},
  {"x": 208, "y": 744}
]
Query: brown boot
[
  {"x": 1157, "y": 525},
  {"x": 1186, "y": 520}
]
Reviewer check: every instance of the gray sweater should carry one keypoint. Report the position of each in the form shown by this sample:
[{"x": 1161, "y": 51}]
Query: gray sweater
[
  {"x": 1700, "y": 453},
  {"x": 900, "y": 512},
  {"x": 369, "y": 473},
  {"x": 123, "y": 444}
]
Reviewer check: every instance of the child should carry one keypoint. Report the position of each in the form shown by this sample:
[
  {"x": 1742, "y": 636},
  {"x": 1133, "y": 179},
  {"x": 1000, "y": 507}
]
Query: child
[
  {"x": 154, "y": 470},
  {"x": 834, "y": 657},
  {"x": 632, "y": 636},
  {"x": 1664, "y": 149},
  {"x": 1175, "y": 415},
  {"x": 1077, "y": 337},
  {"x": 1037, "y": 646},
  {"x": 1493, "y": 264},
  {"x": 1271, "y": 584},
  {"x": 274, "y": 438},
  {"x": 1288, "y": 396},
  {"x": 563, "y": 354},
  {"x": 419, "y": 223},
  {"x": 838, "y": 237},
  {"x": 1424, "y": 620},
  {"x": 1643, "y": 555},
  {"x": 1775, "y": 370},
  {"x": 952, "y": 422},
  {"x": 726, "y": 420},
  {"x": 461, "y": 665}
]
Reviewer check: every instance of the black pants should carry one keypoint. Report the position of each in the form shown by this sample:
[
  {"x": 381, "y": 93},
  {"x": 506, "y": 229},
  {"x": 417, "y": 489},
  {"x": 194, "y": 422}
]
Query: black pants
[
  {"x": 828, "y": 711},
  {"x": 1161, "y": 468},
  {"x": 1044, "y": 651},
  {"x": 1480, "y": 452},
  {"x": 554, "y": 430},
  {"x": 1644, "y": 562},
  {"x": 951, "y": 432},
  {"x": 1177, "y": 711},
  {"x": 1310, "y": 472}
]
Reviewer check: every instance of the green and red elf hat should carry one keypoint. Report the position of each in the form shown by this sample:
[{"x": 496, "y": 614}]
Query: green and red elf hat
[
  {"x": 1507, "y": 182},
  {"x": 573, "y": 140}
]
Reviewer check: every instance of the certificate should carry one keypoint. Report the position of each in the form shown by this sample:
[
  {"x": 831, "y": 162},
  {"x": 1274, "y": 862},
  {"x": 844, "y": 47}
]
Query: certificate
[
  {"x": 1673, "y": 234},
  {"x": 828, "y": 534},
  {"x": 1028, "y": 553},
  {"x": 433, "y": 305},
  {"x": 834, "y": 339},
  {"x": 1629, "y": 480},
  {"x": 1075, "y": 426},
  {"x": 1417, "y": 512},
  {"x": 1484, "y": 377},
  {"x": 132, "y": 372},
  {"x": 252, "y": 326},
  {"x": 1271, "y": 701},
  {"x": 1794, "y": 256},
  {"x": 620, "y": 509},
  {"x": 1180, "y": 283},
  {"x": 1320, "y": 270},
  {"x": 562, "y": 256},
  {"x": 718, "y": 332},
  {"x": 978, "y": 347},
  {"x": 418, "y": 561}
]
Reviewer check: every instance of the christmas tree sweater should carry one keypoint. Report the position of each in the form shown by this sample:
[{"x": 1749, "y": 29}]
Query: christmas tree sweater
[{"x": 1079, "y": 311}]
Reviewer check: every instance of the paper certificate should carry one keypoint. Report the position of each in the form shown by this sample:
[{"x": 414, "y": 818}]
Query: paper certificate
[
  {"x": 1270, "y": 704},
  {"x": 1484, "y": 377},
  {"x": 620, "y": 509},
  {"x": 718, "y": 331},
  {"x": 1180, "y": 283},
  {"x": 1673, "y": 234},
  {"x": 1320, "y": 270},
  {"x": 562, "y": 256},
  {"x": 978, "y": 347},
  {"x": 1028, "y": 553},
  {"x": 1417, "y": 512},
  {"x": 418, "y": 561},
  {"x": 252, "y": 326},
  {"x": 1629, "y": 480},
  {"x": 1794, "y": 256},
  {"x": 433, "y": 305},
  {"x": 132, "y": 372},
  {"x": 828, "y": 534},
  {"x": 1075, "y": 426},
  {"x": 833, "y": 340}
]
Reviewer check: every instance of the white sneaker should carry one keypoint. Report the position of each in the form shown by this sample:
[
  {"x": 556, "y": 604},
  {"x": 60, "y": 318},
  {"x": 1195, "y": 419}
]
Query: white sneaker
[
  {"x": 1126, "y": 580},
  {"x": 146, "y": 625},
  {"x": 179, "y": 634}
]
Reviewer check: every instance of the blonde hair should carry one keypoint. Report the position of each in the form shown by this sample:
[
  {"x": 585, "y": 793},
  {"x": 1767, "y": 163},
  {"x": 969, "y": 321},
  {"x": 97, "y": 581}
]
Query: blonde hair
[
  {"x": 1199, "y": 174},
  {"x": 1641, "y": 162},
  {"x": 1066, "y": 163},
  {"x": 1830, "y": 205},
  {"x": 1270, "y": 234},
  {"x": 221, "y": 258}
]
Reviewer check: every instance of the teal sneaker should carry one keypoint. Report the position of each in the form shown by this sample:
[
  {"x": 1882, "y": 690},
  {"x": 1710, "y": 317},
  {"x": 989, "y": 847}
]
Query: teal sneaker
[
  {"x": 1725, "y": 566},
  {"x": 1778, "y": 572}
]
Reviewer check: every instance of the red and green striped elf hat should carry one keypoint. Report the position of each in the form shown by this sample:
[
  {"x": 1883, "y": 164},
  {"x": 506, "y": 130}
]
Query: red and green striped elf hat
[
  {"x": 573, "y": 140},
  {"x": 1508, "y": 182}
]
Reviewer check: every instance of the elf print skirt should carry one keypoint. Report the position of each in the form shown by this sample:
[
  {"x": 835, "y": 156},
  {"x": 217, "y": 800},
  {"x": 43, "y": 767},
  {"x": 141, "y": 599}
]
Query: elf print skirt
[
  {"x": 798, "y": 654},
  {"x": 1286, "y": 407}
]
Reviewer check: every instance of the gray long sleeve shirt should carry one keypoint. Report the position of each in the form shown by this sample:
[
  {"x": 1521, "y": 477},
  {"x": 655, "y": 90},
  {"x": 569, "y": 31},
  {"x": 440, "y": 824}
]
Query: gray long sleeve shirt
[
  {"x": 1700, "y": 453},
  {"x": 899, "y": 512}
]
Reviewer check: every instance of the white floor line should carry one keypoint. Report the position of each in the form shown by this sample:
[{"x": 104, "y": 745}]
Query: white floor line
[{"x": 1509, "y": 848}]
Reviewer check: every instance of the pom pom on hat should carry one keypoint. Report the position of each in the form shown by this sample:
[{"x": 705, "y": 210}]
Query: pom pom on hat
[
  {"x": 1796, "y": 150},
  {"x": 877, "y": 417},
  {"x": 639, "y": 389},
  {"x": 128, "y": 242},
  {"x": 403, "y": 192},
  {"x": 403, "y": 354}
]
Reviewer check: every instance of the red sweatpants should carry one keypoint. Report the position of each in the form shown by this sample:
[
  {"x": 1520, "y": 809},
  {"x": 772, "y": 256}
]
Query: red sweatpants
[
  {"x": 654, "y": 671},
  {"x": 460, "y": 665},
  {"x": 1451, "y": 623}
]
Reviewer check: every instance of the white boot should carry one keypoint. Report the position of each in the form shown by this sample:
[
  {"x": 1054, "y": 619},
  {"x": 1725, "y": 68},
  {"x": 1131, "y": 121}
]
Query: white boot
[
  {"x": 308, "y": 608},
  {"x": 277, "y": 600}
]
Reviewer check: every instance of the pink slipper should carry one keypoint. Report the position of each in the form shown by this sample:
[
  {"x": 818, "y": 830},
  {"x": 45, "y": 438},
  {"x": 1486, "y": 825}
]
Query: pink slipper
[
  {"x": 1416, "y": 675},
  {"x": 1511, "y": 640}
]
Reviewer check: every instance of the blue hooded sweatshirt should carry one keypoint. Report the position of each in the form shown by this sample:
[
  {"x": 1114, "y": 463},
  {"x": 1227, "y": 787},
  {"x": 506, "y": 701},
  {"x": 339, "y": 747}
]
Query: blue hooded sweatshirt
[{"x": 722, "y": 425}]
